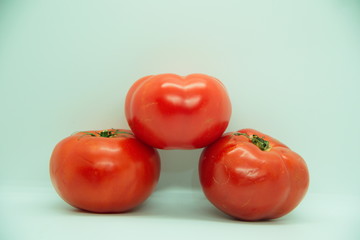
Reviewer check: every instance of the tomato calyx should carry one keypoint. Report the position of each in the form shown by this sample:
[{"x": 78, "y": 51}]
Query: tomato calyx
[
  {"x": 260, "y": 142},
  {"x": 106, "y": 133}
]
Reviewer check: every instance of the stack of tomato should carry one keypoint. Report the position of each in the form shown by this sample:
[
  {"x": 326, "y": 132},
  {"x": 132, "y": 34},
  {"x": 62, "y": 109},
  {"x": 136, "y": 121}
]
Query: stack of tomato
[{"x": 246, "y": 174}]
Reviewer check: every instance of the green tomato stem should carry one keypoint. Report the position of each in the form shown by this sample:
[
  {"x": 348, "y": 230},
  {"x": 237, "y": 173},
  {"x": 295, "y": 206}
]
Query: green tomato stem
[
  {"x": 106, "y": 133},
  {"x": 260, "y": 142}
]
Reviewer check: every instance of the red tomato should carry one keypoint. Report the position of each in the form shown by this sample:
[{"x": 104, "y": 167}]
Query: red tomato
[
  {"x": 252, "y": 176},
  {"x": 168, "y": 111},
  {"x": 104, "y": 171}
]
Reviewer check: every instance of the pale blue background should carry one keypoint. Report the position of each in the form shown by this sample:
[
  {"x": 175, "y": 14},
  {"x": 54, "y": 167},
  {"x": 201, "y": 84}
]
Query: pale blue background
[{"x": 292, "y": 70}]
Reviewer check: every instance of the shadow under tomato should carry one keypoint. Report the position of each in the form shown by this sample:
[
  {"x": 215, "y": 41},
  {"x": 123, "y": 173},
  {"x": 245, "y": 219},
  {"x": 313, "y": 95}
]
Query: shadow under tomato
[
  {"x": 177, "y": 206},
  {"x": 196, "y": 207},
  {"x": 86, "y": 212}
]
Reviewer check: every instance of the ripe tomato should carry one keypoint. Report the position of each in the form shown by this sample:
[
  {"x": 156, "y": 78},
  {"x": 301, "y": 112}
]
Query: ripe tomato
[
  {"x": 168, "y": 111},
  {"x": 104, "y": 171},
  {"x": 252, "y": 176}
]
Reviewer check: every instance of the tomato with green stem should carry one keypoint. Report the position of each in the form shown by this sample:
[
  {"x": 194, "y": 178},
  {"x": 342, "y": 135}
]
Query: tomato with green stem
[
  {"x": 104, "y": 171},
  {"x": 252, "y": 176}
]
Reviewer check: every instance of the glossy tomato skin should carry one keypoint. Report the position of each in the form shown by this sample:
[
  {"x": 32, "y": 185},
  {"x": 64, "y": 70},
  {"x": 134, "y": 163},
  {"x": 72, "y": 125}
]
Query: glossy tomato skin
[
  {"x": 250, "y": 184},
  {"x": 169, "y": 111},
  {"x": 100, "y": 174}
]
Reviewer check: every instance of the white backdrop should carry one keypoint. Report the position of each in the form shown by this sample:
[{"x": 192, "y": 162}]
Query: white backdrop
[{"x": 292, "y": 70}]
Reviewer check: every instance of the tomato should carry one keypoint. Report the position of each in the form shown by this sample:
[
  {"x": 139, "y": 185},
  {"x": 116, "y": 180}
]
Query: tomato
[
  {"x": 252, "y": 176},
  {"x": 169, "y": 111},
  {"x": 104, "y": 171}
]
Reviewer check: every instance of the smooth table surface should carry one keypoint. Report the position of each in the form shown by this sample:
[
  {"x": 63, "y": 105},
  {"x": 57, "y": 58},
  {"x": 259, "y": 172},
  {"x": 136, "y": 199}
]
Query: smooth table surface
[{"x": 36, "y": 212}]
